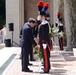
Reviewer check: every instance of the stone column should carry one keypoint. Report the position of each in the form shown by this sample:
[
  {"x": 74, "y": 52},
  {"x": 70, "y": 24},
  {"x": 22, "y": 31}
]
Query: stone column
[
  {"x": 55, "y": 10},
  {"x": 14, "y": 14},
  {"x": 51, "y": 10},
  {"x": 70, "y": 23}
]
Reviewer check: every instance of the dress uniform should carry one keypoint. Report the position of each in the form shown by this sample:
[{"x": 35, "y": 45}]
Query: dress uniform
[
  {"x": 60, "y": 25},
  {"x": 26, "y": 44},
  {"x": 50, "y": 30},
  {"x": 44, "y": 40}
]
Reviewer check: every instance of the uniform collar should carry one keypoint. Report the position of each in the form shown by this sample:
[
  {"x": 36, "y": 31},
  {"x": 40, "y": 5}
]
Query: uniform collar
[{"x": 44, "y": 21}]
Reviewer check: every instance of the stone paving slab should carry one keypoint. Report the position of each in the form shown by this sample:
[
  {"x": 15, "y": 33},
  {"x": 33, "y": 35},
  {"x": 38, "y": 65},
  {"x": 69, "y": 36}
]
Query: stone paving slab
[
  {"x": 15, "y": 67},
  {"x": 61, "y": 64},
  {"x": 5, "y": 53},
  {"x": 70, "y": 62}
]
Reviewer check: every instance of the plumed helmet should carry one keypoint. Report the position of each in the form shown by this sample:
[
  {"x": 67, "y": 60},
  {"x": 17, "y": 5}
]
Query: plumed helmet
[
  {"x": 60, "y": 19},
  {"x": 58, "y": 14},
  {"x": 47, "y": 15},
  {"x": 46, "y": 6},
  {"x": 43, "y": 13},
  {"x": 40, "y": 5}
]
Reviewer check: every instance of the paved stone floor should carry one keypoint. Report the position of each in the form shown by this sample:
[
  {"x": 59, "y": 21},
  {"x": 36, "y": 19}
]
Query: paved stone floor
[{"x": 62, "y": 63}]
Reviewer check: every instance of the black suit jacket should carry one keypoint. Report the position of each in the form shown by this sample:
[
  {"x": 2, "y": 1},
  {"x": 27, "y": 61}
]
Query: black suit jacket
[{"x": 27, "y": 39}]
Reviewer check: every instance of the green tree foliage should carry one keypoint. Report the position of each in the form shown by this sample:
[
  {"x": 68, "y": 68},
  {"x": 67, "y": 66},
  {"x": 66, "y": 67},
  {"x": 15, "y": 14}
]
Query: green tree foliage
[{"x": 2, "y": 13}]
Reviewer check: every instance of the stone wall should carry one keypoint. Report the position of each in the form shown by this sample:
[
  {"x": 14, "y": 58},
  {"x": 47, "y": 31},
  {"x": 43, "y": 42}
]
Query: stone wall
[
  {"x": 30, "y": 8},
  {"x": 15, "y": 15}
]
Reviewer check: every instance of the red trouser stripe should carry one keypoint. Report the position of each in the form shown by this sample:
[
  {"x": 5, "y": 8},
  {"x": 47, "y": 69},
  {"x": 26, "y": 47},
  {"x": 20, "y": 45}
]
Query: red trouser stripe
[
  {"x": 46, "y": 60},
  {"x": 61, "y": 46}
]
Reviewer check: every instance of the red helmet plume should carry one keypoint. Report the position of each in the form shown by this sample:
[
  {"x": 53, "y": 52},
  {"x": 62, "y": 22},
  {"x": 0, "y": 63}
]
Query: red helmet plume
[
  {"x": 58, "y": 14},
  {"x": 40, "y": 5},
  {"x": 46, "y": 6}
]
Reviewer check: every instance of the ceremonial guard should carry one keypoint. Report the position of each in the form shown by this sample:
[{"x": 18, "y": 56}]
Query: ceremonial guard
[
  {"x": 50, "y": 31},
  {"x": 61, "y": 30},
  {"x": 44, "y": 41}
]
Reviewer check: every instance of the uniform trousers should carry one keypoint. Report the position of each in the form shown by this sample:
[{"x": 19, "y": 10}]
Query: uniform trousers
[
  {"x": 61, "y": 43},
  {"x": 46, "y": 58}
]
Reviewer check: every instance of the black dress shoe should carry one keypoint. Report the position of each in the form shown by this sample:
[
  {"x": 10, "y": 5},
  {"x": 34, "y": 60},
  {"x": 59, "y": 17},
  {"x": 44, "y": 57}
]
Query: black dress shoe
[
  {"x": 27, "y": 70},
  {"x": 32, "y": 60},
  {"x": 42, "y": 64},
  {"x": 30, "y": 64},
  {"x": 42, "y": 69}
]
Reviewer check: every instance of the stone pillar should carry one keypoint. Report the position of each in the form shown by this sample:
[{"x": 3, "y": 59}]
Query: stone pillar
[
  {"x": 70, "y": 23},
  {"x": 14, "y": 14},
  {"x": 51, "y": 10},
  {"x": 55, "y": 10}
]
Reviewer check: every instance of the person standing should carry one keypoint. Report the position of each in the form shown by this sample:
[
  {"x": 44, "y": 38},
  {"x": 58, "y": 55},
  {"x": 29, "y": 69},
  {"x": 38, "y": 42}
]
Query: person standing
[
  {"x": 27, "y": 41},
  {"x": 1, "y": 37},
  {"x": 44, "y": 41},
  {"x": 50, "y": 31},
  {"x": 4, "y": 33},
  {"x": 61, "y": 30}
]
